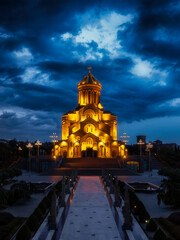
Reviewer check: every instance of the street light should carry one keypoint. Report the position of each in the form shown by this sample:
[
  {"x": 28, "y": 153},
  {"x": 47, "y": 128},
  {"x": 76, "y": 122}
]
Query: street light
[
  {"x": 19, "y": 148},
  {"x": 19, "y": 151},
  {"x": 149, "y": 146},
  {"x": 140, "y": 143},
  {"x": 125, "y": 137},
  {"x": 38, "y": 144},
  {"x": 54, "y": 140},
  {"x": 29, "y": 146}
]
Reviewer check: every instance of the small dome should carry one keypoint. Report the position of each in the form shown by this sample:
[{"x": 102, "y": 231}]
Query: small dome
[{"x": 89, "y": 79}]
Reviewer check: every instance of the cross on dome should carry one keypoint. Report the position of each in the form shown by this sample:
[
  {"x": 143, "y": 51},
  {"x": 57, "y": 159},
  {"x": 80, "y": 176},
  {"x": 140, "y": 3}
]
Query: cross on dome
[{"x": 89, "y": 69}]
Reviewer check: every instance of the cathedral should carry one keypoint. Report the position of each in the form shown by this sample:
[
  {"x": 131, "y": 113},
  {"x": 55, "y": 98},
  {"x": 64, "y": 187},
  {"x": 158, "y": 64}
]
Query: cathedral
[{"x": 89, "y": 130}]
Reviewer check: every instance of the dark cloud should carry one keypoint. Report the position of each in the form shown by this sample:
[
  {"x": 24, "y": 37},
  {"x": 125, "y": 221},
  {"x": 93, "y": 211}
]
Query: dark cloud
[
  {"x": 31, "y": 126},
  {"x": 155, "y": 30},
  {"x": 43, "y": 85}
]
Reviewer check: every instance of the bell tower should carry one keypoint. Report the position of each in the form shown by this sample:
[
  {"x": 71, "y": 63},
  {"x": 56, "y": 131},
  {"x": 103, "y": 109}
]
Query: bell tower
[{"x": 89, "y": 90}]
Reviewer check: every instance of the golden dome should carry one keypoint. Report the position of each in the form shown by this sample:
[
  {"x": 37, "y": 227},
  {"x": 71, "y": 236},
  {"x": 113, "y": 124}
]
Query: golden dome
[{"x": 89, "y": 79}]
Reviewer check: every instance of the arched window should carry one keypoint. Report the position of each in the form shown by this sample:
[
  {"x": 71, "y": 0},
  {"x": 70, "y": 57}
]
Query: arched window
[
  {"x": 95, "y": 97},
  {"x": 89, "y": 142},
  {"x": 89, "y": 96},
  {"x": 83, "y": 97},
  {"x": 89, "y": 113},
  {"x": 90, "y": 128}
]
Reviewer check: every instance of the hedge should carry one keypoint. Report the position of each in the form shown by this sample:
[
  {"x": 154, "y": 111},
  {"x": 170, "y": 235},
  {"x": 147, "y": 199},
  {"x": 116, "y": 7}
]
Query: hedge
[
  {"x": 159, "y": 235},
  {"x": 47, "y": 202},
  {"x": 24, "y": 233},
  {"x": 37, "y": 216},
  {"x": 174, "y": 217},
  {"x": 7, "y": 173},
  {"x": 121, "y": 187},
  {"x": 5, "y": 218},
  {"x": 138, "y": 207},
  {"x": 151, "y": 226},
  {"x": 8, "y": 230},
  {"x": 170, "y": 227},
  {"x": 32, "y": 223},
  {"x": 43, "y": 207},
  {"x": 38, "y": 213}
]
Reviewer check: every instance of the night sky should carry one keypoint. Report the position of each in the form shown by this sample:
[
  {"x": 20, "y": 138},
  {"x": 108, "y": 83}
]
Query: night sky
[{"x": 132, "y": 46}]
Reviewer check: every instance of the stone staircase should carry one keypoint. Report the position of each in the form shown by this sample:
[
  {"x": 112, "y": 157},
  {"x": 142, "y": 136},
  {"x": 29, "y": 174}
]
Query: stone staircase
[
  {"x": 89, "y": 172},
  {"x": 90, "y": 163}
]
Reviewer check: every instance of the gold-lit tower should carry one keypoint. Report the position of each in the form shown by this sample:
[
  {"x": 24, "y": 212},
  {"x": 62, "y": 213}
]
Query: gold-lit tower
[{"x": 89, "y": 131}]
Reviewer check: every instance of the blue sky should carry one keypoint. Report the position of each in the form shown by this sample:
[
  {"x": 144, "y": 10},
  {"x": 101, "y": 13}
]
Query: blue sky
[{"x": 133, "y": 49}]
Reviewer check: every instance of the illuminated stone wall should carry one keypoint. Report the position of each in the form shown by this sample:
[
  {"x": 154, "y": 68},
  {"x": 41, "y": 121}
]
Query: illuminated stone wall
[{"x": 89, "y": 131}]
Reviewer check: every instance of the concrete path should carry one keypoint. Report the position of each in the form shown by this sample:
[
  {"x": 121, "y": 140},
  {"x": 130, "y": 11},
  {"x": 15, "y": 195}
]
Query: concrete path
[{"x": 90, "y": 216}]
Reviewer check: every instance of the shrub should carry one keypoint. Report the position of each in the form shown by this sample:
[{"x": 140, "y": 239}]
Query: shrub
[
  {"x": 42, "y": 206},
  {"x": 133, "y": 199},
  {"x": 4, "y": 175},
  {"x": 49, "y": 196},
  {"x": 3, "y": 195},
  {"x": 174, "y": 217},
  {"x": 170, "y": 227},
  {"x": 10, "y": 197},
  {"x": 10, "y": 172},
  {"x": 21, "y": 190},
  {"x": 5, "y": 218},
  {"x": 38, "y": 213},
  {"x": 139, "y": 207},
  {"x": 8, "y": 230},
  {"x": 159, "y": 235},
  {"x": 151, "y": 226},
  {"x": 24, "y": 233},
  {"x": 121, "y": 187},
  {"x": 32, "y": 223},
  {"x": 17, "y": 171},
  {"x": 144, "y": 215},
  {"x": 17, "y": 193},
  {"x": 47, "y": 202}
]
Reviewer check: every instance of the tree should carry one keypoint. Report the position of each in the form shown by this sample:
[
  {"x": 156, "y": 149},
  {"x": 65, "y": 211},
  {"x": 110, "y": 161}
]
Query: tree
[{"x": 170, "y": 188}]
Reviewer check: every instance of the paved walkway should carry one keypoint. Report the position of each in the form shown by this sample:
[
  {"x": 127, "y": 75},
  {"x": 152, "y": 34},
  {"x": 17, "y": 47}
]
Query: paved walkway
[{"x": 90, "y": 216}]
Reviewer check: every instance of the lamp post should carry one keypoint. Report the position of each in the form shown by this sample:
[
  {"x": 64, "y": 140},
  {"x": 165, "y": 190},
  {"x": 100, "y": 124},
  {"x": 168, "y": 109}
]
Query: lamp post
[
  {"x": 149, "y": 146},
  {"x": 19, "y": 148},
  {"x": 125, "y": 137},
  {"x": 38, "y": 144},
  {"x": 29, "y": 146},
  {"x": 141, "y": 168},
  {"x": 19, "y": 151},
  {"x": 54, "y": 140}
]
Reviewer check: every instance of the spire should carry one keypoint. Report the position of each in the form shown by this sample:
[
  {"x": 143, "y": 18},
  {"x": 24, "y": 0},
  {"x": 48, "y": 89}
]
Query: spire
[{"x": 89, "y": 69}]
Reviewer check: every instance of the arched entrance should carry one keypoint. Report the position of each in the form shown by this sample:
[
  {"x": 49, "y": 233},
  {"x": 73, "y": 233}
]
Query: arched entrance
[
  {"x": 64, "y": 154},
  {"x": 88, "y": 148}
]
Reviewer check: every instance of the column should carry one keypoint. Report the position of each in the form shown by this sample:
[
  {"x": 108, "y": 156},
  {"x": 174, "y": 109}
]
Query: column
[
  {"x": 90, "y": 97},
  {"x": 86, "y": 97},
  {"x": 79, "y": 98}
]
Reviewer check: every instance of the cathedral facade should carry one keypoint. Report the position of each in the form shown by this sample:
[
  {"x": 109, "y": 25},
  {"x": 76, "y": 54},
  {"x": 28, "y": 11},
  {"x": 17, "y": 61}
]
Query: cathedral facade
[{"x": 89, "y": 130}]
